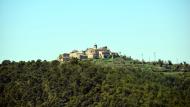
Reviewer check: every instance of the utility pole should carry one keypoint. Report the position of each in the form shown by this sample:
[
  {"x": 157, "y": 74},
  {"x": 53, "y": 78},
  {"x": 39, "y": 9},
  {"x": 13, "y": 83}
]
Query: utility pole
[
  {"x": 142, "y": 58},
  {"x": 149, "y": 58},
  {"x": 154, "y": 54}
]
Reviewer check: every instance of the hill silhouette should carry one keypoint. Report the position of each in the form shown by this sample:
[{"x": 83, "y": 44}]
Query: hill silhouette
[{"x": 119, "y": 82}]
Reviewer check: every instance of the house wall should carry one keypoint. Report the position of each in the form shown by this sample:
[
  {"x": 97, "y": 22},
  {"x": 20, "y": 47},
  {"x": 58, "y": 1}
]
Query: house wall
[
  {"x": 104, "y": 54},
  {"x": 83, "y": 57},
  {"x": 90, "y": 56},
  {"x": 78, "y": 55},
  {"x": 92, "y": 53},
  {"x": 63, "y": 57}
]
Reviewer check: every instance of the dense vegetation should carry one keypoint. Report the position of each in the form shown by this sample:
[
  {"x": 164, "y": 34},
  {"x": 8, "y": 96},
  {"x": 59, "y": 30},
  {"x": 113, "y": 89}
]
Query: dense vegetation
[{"x": 120, "y": 82}]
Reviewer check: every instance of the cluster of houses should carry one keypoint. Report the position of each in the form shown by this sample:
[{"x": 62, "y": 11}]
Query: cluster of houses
[{"x": 89, "y": 53}]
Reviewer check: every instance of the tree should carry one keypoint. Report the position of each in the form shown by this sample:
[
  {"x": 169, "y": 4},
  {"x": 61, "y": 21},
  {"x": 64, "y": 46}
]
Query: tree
[
  {"x": 160, "y": 62},
  {"x": 170, "y": 62},
  {"x": 55, "y": 63},
  {"x": 6, "y": 62},
  {"x": 74, "y": 61},
  {"x": 86, "y": 83}
]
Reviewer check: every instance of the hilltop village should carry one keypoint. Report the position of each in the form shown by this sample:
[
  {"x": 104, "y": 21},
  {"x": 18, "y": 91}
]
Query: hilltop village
[{"x": 89, "y": 53}]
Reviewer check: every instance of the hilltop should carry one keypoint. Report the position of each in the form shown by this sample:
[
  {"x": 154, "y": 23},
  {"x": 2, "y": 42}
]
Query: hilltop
[{"x": 121, "y": 81}]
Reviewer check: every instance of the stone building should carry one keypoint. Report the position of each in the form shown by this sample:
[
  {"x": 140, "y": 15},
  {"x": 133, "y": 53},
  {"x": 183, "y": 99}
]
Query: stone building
[
  {"x": 63, "y": 57},
  {"x": 104, "y": 52},
  {"x": 90, "y": 53},
  {"x": 95, "y": 52},
  {"x": 77, "y": 54}
]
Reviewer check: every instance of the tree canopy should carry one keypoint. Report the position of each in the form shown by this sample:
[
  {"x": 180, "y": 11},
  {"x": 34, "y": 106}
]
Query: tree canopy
[{"x": 100, "y": 83}]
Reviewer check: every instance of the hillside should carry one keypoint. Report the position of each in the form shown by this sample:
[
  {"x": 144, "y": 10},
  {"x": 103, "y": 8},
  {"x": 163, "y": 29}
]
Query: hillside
[{"x": 120, "y": 82}]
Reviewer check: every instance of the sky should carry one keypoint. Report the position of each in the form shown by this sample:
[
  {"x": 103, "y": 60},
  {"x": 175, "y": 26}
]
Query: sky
[{"x": 43, "y": 29}]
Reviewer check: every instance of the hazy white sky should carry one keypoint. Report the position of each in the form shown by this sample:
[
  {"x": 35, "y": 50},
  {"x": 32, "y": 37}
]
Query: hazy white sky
[{"x": 42, "y": 29}]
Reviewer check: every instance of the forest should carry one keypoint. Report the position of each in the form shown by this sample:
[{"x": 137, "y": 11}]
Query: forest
[{"x": 118, "y": 82}]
